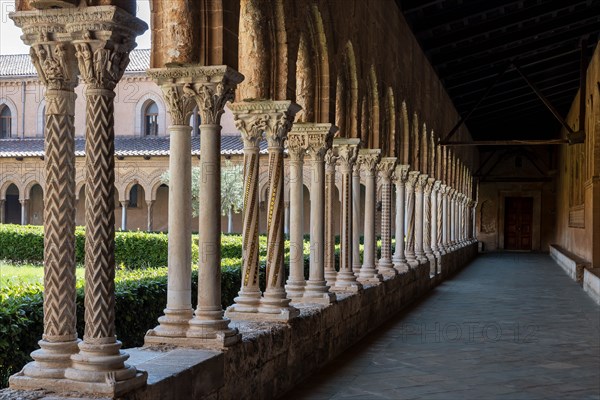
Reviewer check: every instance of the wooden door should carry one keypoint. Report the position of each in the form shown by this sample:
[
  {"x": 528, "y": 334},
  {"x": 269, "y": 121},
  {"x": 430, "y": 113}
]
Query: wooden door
[{"x": 518, "y": 220}]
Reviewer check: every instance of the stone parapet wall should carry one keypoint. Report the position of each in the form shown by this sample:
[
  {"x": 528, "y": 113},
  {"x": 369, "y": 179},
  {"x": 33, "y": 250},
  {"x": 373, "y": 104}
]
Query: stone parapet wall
[{"x": 272, "y": 358}]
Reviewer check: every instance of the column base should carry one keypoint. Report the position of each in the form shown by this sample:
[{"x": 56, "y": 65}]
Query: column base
[
  {"x": 346, "y": 282},
  {"x": 432, "y": 263},
  {"x": 386, "y": 268},
  {"x": 51, "y": 359},
  {"x": 283, "y": 314},
  {"x": 369, "y": 275},
  {"x": 294, "y": 289},
  {"x": 100, "y": 362},
  {"x": 247, "y": 301},
  {"x": 330, "y": 277},
  {"x": 174, "y": 323},
  {"x": 107, "y": 388},
  {"x": 317, "y": 292}
]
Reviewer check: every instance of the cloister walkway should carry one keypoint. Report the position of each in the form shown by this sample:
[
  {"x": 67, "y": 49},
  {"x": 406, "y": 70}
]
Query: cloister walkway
[{"x": 509, "y": 326}]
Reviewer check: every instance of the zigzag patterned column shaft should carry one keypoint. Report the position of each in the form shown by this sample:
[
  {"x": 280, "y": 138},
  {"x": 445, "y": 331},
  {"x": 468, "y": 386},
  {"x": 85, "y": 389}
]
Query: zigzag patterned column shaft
[
  {"x": 386, "y": 170},
  {"x": 100, "y": 218},
  {"x": 59, "y": 219}
]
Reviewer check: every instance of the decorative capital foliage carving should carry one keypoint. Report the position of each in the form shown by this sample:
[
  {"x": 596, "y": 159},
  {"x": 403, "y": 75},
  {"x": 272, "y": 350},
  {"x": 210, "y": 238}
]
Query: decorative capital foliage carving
[
  {"x": 296, "y": 144},
  {"x": 178, "y": 102},
  {"x": 401, "y": 173},
  {"x": 54, "y": 63},
  {"x": 386, "y": 167},
  {"x": 346, "y": 155},
  {"x": 422, "y": 181},
  {"x": 368, "y": 159},
  {"x": 437, "y": 186},
  {"x": 428, "y": 186},
  {"x": 330, "y": 160},
  {"x": 273, "y": 118},
  {"x": 413, "y": 177},
  {"x": 318, "y": 137}
]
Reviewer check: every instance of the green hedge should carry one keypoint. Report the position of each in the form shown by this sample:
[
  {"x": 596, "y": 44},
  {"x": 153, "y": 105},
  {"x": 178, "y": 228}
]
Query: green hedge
[{"x": 145, "y": 291}]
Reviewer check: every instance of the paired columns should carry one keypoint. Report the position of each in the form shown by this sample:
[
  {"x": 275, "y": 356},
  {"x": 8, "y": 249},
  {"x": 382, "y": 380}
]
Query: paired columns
[
  {"x": 400, "y": 179},
  {"x": 209, "y": 88},
  {"x": 275, "y": 119},
  {"x": 346, "y": 151},
  {"x": 97, "y": 45},
  {"x": 330, "y": 200},
  {"x": 368, "y": 160}
]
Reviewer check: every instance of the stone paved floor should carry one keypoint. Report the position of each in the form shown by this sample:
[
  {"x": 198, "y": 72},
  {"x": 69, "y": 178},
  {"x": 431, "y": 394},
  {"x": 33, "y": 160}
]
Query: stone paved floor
[{"x": 509, "y": 326}]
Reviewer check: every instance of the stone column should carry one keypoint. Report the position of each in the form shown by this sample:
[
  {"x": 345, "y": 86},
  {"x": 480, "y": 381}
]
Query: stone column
[
  {"x": 296, "y": 145},
  {"x": 286, "y": 217},
  {"x": 319, "y": 137},
  {"x": 211, "y": 88},
  {"x": 251, "y": 122},
  {"x": 436, "y": 213},
  {"x": 54, "y": 61},
  {"x": 427, "y": 222},
  {"x": 367, "y": 160},
  {"x": 2, "y": 211},
  {"x": 356, "y": 222},
  {"x": 24, "y": 211},
  {"x": 100, "y": 363},
  {"x": 275, "y": 304},
  {"x": 452, "y": 219},
  {"x": 445, "y": 219},
  {"x": 411, "y": 258},
  {"x": 124, "y": 205},
  {"x": 150, "y": 215},
  {"x": 386, "y": 168},
  {"x": 400, "y": 178},
  {"x": 330, "y": 271},
  {"x": 346, "y": 151},
  {"x": 178, "y": 312},
  {"x": 419, "y": 218}
]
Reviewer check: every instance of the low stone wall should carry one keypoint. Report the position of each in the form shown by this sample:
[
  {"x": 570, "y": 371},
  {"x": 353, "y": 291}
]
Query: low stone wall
[
  {"x": 274, "y": 357},
  {"x": 591, "y": 283},
  {"x": 570, "y": 263}
]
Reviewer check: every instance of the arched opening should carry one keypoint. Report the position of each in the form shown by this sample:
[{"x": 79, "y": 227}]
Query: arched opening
[
  {"x": 195, "y": 121},
  {"x": 161, "y": 209},
  {"x": 12, "y": 206},
  {"x": 80, "y": 207},
  {"x": 36, "y": 205},
  {"x": 5, "y": 122},
  {"x": 151, "y": 119}
]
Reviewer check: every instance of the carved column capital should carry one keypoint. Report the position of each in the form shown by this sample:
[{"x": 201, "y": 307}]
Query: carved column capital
[
  {"x": 444, "y": 189},
  {"x": 401, "y": 173},
  {"x": 318, "y": 137},
  {"x": 413, "y": 178},
  {"x": 346, "y": 151},
  {"x": 274, "y": 118},
  {"x": 296, "y": 145},
  {"x": 386, "y": 168},
  {"x": 368, "y": 160},
  {"x": 421, "y": 182},
  {"x": 330, "y": 161},
  {"x": 428, "y": 186},
  {"x": 437, "y": 185}
]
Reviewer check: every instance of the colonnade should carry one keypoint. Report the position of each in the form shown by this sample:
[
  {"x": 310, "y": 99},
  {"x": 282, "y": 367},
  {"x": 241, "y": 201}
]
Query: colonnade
[{"x": 432, "y": 208}]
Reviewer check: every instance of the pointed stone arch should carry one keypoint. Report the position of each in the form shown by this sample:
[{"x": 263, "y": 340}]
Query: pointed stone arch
[{"x": 346, "y": 98}]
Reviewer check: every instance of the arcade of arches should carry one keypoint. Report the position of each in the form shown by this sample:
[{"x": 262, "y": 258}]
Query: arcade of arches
[{"x": 336, "y": 105}]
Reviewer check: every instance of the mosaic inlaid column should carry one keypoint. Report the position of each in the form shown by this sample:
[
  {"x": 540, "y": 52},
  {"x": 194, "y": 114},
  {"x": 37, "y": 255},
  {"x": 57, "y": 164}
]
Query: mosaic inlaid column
[
  {"x": 386, "y": 167},
  {"x": 100, "y": 362},
  {"x": 411, "y": 182},
  {"x": 319, "y": 141},
  {"x": 346, "y": 151},
  {"x": 150, "y": 215},
  {"x": 400, "y": 178},
  {"x": 427, "y": 222},
  {"x": 275, "y": 305},
  {"x": 368, "y": 160},
  {"x": 356, "y": 222},
  {"x": 57, "y": 70},
  {"x": 211, "y": 88},
  {"x": 330, "y": 271},
  {"x": 178, "y": 312},
  {"x": 251, "y": 123},
  {"x": 296, "y": 146},
  {"x": 419, "y": 218}
]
